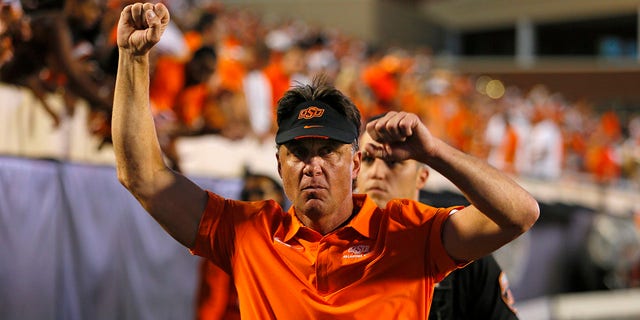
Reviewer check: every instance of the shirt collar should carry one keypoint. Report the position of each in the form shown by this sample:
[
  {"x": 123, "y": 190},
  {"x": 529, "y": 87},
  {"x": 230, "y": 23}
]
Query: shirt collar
[
  {"x": 293, "y": 226},
  {"x": 365, "y": 222}
]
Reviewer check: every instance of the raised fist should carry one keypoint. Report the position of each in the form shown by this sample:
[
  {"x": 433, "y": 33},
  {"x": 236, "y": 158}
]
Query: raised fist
[{"x": 141, "y": 25}]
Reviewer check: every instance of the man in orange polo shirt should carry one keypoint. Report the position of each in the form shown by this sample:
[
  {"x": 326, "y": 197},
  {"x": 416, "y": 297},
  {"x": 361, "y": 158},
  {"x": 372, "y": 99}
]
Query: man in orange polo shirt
[{"x": 333, "y": 254}]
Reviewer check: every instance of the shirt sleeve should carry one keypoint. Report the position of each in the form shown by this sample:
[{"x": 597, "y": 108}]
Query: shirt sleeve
[
  {"x": 216, "y": 232},
  {"x": 443, "y": 263},
  {"x": 223, "y": 220}
]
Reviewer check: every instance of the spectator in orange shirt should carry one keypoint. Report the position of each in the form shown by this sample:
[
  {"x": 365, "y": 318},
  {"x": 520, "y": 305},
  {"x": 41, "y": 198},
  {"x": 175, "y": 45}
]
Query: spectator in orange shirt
[
  {"x": 502, "y": 138},
  {"x": 334, "y": 254},
  {"x": 257, "y": 92},
  {"x": 382, "y": 78},
  {"x": 167, "y": 70},
  {"x": 281, "y": 70},
  {"x": 204, "y": 32},
  {"x": 630, "y": 155},
  {"x": 231, "y": 64},
  {"x": 192, "y": 98},
  {"x": 510, "y": 146},
  {"x": 202, "y": 106},
  {"x": 601, "y": 161}
]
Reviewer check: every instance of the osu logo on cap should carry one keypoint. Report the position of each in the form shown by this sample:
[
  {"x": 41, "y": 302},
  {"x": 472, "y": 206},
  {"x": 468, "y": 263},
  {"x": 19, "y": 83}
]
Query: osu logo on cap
[{"x": 311, "y": 112}]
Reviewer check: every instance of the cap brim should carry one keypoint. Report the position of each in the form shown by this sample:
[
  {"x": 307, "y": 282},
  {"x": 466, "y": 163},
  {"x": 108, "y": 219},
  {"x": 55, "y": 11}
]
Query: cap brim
[{"x": 323, "y": 132}]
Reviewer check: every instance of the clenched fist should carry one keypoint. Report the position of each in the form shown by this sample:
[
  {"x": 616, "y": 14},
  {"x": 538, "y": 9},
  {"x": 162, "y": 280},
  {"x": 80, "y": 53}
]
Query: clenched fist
[
  {"x": 401, "y": 136},
  {"x": 140, "y": 27}
]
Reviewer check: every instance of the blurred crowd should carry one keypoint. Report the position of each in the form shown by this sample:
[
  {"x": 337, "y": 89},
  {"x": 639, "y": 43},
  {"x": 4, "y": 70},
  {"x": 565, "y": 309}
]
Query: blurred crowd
[{"x": 221, "y": 71}]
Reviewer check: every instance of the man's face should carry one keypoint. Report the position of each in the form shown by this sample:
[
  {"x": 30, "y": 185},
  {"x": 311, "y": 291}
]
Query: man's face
[
  {"x": 317, "y": 175},
  {"x": 385, "y": 180}
]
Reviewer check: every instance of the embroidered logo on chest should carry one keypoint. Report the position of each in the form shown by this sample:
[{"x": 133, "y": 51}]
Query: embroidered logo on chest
[{"x": 357, "y": 251}]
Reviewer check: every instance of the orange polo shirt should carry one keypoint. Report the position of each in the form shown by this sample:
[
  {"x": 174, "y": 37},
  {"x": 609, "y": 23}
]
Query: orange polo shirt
[{"x": 382, "y": 265}]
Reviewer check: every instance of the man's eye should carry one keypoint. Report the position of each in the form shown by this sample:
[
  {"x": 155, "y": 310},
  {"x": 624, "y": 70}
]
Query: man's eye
[
  {"x": 298, "y": 152},
  {"x": 368, "y": 159},
  {"x": 325, "y": 151},
  {"x": 391, "y": 163}
]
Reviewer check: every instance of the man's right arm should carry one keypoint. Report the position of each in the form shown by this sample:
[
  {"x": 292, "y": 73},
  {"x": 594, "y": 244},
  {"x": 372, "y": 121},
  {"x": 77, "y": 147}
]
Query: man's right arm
[{"x": 173, "y": 200}]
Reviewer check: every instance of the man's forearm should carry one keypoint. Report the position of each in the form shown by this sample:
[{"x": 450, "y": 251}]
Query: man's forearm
[{"x": 137, "y": 151}]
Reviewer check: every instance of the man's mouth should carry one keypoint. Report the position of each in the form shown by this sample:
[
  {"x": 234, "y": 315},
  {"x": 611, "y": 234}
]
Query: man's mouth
[
  {"x": 376, "y": 189},
  {"x": 312, "y": 185},
  {"x": 312, "y": 188}
]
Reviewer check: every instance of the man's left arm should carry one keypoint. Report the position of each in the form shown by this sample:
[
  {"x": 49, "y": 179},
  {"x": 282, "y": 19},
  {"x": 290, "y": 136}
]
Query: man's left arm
[{"x": 500, "y": 209}]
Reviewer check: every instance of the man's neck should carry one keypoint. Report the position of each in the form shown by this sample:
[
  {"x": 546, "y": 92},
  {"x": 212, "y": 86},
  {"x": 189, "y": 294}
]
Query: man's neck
[{"x": 325, "y": 223}]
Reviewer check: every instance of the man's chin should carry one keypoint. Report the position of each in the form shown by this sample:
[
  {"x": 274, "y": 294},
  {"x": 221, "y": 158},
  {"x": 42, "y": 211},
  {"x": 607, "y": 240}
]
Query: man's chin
[
  {"x": 379, "y": 198},
  {"x": 313, "y": 204},
  {"x": 377, "y": 193}
]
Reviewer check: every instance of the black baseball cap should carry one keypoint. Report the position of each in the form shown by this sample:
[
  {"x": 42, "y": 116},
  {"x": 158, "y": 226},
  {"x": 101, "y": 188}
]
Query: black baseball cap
[{"x": 316, "y": 119}]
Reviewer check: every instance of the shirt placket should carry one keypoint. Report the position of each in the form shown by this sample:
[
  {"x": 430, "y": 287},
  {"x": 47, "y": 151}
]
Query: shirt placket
[{"x": 328, "y": 259}]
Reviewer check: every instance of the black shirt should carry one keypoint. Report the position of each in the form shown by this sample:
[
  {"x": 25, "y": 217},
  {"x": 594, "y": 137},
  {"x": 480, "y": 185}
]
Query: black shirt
[{"x": 478, "y": 291}]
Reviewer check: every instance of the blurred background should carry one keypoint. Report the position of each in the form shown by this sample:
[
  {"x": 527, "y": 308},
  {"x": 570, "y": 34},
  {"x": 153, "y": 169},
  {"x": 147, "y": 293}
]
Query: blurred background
[{"x": 544, "y": 90}]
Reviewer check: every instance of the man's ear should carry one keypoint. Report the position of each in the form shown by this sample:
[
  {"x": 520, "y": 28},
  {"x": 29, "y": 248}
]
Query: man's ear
[
  {"x": 423, "y": 176},
  {"x": 357, "y": 161},
  {"x": 278, "y": 162}
]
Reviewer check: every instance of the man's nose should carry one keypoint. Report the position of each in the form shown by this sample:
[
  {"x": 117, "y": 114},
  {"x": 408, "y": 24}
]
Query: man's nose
[
  {"x": 313, "y": 166},
  {"x": 378, "y": 168}
]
